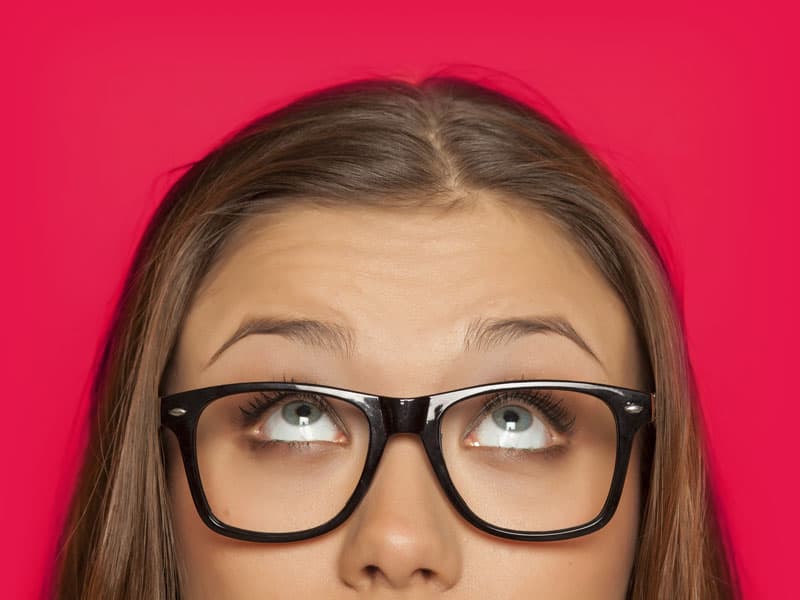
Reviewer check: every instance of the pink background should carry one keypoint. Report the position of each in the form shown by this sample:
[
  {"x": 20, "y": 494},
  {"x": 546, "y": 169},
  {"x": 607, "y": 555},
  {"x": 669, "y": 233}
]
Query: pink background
[{"x": 695, "y": 110}]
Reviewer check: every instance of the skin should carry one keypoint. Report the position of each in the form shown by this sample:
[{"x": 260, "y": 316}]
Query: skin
[{"x": 407, "y": 283}]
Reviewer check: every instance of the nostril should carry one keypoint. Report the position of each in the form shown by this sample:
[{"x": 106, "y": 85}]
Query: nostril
[
  {"x": 374, "y": 571},
  {"x": 371, "y": 570}
]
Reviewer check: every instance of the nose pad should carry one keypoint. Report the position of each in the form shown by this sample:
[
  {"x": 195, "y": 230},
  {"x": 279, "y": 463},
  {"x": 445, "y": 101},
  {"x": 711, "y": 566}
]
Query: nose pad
[{"x": 403, "y": 533}]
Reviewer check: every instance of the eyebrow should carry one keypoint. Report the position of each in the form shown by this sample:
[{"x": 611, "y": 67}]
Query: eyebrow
[
  {"x": 485, "y": 333},
  {"x": 481, "y": 334},
  {"x": 322, "y": 334}
]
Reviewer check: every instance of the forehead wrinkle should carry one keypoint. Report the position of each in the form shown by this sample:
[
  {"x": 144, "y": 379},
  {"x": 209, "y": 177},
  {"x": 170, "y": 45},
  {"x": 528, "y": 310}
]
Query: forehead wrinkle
[{"x": 289, "y": 247}]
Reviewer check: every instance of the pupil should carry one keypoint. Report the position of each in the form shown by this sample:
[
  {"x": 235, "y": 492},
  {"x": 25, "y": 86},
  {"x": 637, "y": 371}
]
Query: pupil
[
  {"x": 303, "y": 410},
  {"x": 510, "y": 416}
]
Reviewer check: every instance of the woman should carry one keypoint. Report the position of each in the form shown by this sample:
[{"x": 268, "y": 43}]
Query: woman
[{"x": 399, "y": 340}]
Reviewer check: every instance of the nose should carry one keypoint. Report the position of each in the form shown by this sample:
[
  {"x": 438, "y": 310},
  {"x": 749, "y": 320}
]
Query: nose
[{"x": 403, "y": 533}]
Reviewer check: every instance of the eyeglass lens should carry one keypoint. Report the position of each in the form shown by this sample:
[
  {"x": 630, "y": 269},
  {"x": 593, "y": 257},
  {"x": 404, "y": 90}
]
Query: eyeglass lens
[{"x": 528, "y": 459}]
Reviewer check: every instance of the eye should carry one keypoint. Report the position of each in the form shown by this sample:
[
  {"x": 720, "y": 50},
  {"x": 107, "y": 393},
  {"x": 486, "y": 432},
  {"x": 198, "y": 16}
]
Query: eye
[
  {"x": 510, "y": 427},
  {"x": 301, "y": 414},
  {"x": 522, "y": 421},
  {"x": 303, "y": 419},
  {"x": 513, "y": 418}
]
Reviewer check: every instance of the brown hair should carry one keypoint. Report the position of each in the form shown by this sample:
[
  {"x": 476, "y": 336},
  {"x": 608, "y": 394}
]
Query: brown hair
[{"x": 382, "y": 142}]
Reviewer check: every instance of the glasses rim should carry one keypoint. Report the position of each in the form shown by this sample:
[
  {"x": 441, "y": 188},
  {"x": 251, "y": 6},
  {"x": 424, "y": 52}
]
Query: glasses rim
[{"x": 421, "y": 415}]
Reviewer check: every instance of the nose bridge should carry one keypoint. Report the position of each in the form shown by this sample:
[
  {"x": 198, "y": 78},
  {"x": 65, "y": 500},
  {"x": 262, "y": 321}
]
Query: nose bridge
[
  {"x": 404, "y": 415},
  {"x": 402, "y": 538}
]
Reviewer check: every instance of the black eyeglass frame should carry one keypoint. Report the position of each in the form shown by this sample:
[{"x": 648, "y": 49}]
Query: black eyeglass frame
[{"x": 388, "y": 415}]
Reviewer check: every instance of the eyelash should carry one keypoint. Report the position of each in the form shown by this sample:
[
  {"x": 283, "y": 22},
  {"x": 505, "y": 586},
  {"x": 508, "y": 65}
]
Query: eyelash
[
  {"x": 553, "y": 409},
  {"x": 262, "y": 402}
]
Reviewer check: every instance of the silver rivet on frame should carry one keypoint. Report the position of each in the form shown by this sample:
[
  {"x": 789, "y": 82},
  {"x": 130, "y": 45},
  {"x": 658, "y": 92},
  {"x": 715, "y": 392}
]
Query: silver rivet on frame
[
  {"x": 633, "y": 408},
  {"x": 177, "y": 412}
]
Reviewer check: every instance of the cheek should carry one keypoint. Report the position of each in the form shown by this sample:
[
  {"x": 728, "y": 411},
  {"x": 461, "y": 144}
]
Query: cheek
[
  {"x": 594, "y": 567},
  {"x": 198, "y": 549},
  {"x": 214, "y": 566}
]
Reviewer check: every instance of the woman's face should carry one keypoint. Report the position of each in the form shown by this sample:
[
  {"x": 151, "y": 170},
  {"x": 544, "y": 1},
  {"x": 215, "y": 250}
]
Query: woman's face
[{"x": 407, "y": 285}]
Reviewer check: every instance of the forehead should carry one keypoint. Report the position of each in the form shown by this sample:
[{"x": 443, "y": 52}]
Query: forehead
[{"x": 408, "y": 283}]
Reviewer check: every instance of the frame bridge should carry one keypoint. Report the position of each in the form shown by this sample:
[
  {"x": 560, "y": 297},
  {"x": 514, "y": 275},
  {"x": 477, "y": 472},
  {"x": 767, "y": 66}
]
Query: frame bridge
[{"x": 405, "y": 415}]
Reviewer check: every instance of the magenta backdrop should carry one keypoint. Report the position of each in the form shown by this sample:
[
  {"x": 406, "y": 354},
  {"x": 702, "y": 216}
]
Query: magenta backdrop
[{"x": 695, "y": 110}]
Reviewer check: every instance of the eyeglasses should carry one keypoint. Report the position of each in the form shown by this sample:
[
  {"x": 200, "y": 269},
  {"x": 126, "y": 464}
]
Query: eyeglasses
[{"x": 524, "y": 460}]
